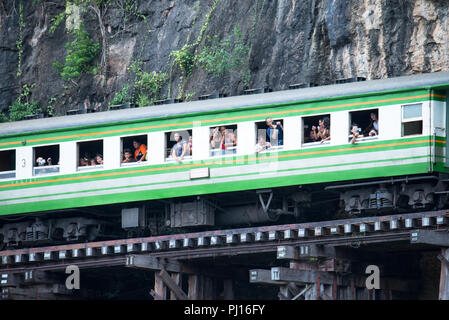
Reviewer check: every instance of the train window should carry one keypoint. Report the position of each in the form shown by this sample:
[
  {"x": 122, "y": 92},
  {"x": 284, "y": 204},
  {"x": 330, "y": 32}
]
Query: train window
[
  {"x": 90, "y": 155},
  {"x": 269, "y": 134},
  {"x": 7, "y": 164},
  {"x": 363, "y": 125},
  {"x": 178, "y": 145},
  {"x": 316, "y": 129},
  {"x": 134, "y": 149},
  {"x": 46, "y": 160},
  {"x": 223, "y": 140},
  {"x": 412, "y": 122}
]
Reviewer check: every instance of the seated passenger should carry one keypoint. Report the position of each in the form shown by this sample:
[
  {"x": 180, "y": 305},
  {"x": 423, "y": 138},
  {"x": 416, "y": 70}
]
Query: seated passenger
[
  {"x": 323, "y": 129},
  {"x": 262, "y": 145},
  {"x": 49, "y": 162},
  {"x": 373, "y": 128},
  {"x": 99, "y": 159},
  {"x": 140, "y": 151},
  {"x": 314, "y": 134},
  {"x": 128, "y": 157},
  {"x": 275, "y": 132},
  {"x": 40, "y": 162},
  {"x": 355, "y": 133},
  {"x": 93, "y": 162},
  {"x": 180, "y": 149},
  {"x": 84, "y": 162},
  {"x": 228, "y": 141}
]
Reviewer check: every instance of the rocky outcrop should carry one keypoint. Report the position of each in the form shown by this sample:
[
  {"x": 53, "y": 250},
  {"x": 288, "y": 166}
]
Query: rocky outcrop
[{"x": 290, "y": 41}]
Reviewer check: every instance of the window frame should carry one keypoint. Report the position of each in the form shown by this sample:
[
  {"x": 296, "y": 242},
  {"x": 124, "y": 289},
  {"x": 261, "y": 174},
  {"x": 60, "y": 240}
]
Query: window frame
[
  {"x": 167, "y": 159},
  {"x": 272, "y": 148},
  {"x": 87, "y": 168},
  {"x": 210, "y": 156},
  {"x": 121, "y": 155},
  {"x": 10, "y": 171},
  {"x": 58, "y": 166},
  {"x": 414, "y": 119},
  {"x": 315, "y": 143},
  {"x": 368, "y": 138}
]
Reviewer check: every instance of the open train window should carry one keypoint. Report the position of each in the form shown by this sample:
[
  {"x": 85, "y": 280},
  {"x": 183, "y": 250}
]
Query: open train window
[
  {"x": 134, "y": 149},
  {"x": 178, "y": 145},
  {"x": 269, "y": 135},
  {"x": 223, "y": 140},
  {"x": 7, "y": 164},
  {"x": 364, "y": 125},
  {"x": 90, "y": 155},
  {"x": 46, "y": 160},
  {"x": 316, "y": 130},
  {"x": 412, "y": 122}
]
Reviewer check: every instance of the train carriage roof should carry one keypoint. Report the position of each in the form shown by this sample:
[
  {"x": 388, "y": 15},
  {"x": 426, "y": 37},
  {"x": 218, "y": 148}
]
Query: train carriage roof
[{"x": 229, "y": 103}]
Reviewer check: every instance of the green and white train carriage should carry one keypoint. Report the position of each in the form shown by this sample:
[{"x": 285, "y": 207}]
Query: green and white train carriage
[{"x": 401, "y": 167}]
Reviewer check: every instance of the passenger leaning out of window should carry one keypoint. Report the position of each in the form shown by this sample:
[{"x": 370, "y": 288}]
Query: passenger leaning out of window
[
  {"x": 228, "y": 141},
  {"x": 262, "y": 145},
  {"x": 373, "y": 128},
  {"x": 275, "y": 132},
  {"x": 99, "y": 159},
  {"x": 215, "y": 141},
  {"x": 355, "y": 133},
  {"x": 180, "y": 149},
  {"x": 140, "y": 151}
]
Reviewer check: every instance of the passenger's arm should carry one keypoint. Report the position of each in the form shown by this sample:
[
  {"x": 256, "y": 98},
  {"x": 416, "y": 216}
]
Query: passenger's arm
[{"x": 275, "y": 133}]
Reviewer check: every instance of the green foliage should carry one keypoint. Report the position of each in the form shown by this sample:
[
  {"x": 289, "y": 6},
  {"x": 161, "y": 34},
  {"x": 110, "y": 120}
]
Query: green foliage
[
  {"x": 143, "y": 100},
  {"x": 184, "y": 59},
  {"x": 147, "y": 84},
  {"x": 219, "y": 57},
  {"x": 81, "y": 51},
  {"x": 56, "y": 21},
  {"x": 189, "y": 96},
  {"x": 121, "y": 97},
  {"x": 3, "y": 117},
  {"x": 51, "y": 107},
  {"x": 23, "y": 106},
  {"x": 19, "y": 41},
  {"x": 206, "y": 23}
]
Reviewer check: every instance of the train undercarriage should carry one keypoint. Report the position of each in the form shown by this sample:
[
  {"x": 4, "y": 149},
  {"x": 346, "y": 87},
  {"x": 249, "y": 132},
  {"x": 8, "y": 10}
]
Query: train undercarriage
[{"x": 269, "y": 206}]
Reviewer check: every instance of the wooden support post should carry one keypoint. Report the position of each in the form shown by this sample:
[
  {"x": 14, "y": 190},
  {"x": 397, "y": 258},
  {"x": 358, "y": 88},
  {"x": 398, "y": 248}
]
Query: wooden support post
[
  {"x": 335, "y": 289},
  {"x": 228, "y": 286},
  {"x": 177, "y": 280},
  {"x": 159, "y": 288},
  {"x": 209, "y": 288},
  {"x": 194, "y": 287},
  {"x": 352, "y": 290},
  {"x": 169, "y": 283},
  {"x": 444, "y": 274}
]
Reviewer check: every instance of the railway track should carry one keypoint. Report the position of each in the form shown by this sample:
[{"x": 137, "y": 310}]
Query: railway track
[{"x": 229, "y": 242}]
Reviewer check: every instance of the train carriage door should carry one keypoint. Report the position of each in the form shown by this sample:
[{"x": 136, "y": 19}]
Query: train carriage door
[
  {"x": 437, "y": 128},
  {"x": 446, "y": 135}
]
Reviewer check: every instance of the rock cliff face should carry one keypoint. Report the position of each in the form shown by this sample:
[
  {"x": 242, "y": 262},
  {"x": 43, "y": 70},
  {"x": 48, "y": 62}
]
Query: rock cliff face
[{"x": 289, "y": 41}]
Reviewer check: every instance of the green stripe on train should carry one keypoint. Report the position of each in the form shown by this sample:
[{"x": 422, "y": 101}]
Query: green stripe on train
[
  {"x": 241, "y": 160},
  {"x": 217, "y": 188},
  {"x": 251, "y": 114},
  {"x": 164, "y": 184}
]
